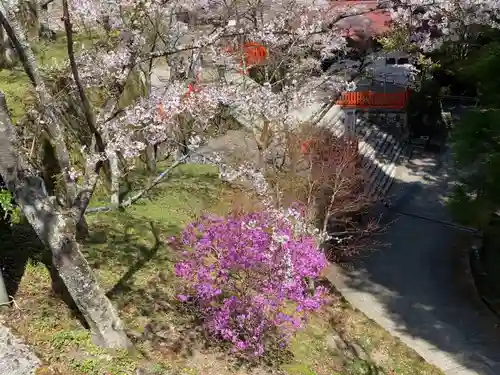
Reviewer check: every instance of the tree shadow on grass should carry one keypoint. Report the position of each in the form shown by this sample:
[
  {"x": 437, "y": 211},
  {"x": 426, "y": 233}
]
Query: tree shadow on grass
[
  {"x": 144, "y": 255},
  {"x": 122, "y": 240},
  {"x": 19, "y": 245},
  {"x": 144, "y": 288}
]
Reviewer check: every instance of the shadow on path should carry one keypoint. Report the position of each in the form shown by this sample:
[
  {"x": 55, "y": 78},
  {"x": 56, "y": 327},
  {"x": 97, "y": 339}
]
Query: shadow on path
[{"x": 412, "y": 288}]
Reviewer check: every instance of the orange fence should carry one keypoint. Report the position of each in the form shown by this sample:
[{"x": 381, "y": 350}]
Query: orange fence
[{"x": 370, "y": 99}]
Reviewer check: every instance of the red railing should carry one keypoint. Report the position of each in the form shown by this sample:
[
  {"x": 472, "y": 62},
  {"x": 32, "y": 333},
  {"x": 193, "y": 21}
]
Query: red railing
[
  {"x": 370, "y": 99},
  {"x": 255, "y": 53}
]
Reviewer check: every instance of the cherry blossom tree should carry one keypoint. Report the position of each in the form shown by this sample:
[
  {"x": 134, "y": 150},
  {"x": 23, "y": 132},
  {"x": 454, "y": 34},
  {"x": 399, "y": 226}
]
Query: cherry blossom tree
[
  {"x": 428, "y": 24},
  {"x": 193, "y": 36}
]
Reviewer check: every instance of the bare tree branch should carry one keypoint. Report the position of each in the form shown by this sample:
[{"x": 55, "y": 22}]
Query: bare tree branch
[
  {"x": 144, "y": 191},
  {"x": 82, "y": 199},
  {"x": 87, "y": 108}
]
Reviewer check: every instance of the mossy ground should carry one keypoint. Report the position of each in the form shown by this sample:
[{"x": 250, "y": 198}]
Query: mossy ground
[{"x": 132, "y": 261}]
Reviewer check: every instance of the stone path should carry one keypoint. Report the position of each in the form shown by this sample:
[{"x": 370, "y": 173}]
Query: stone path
[
  {"x": 16, "y": 358},
  {"x": 412, "y": 287}
]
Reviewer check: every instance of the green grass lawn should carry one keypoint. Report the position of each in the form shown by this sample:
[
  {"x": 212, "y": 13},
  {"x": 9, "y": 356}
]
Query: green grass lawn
[
  {"x": 129, "y": 255},
  {"x": 15, "y": 83},
  {"x": 15, "y": 86},
  {"x": 127, "y": 250}
]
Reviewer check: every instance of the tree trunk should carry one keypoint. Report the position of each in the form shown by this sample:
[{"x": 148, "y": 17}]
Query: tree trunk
[
  {"x": 114, "y": 164},
  {"x": 32, "y": 14},
  {"x": 151, "y": 158},
  {"x": 105, "y": 325},
  {"x": 8, "y": 56},
  {"x": 4, "y": 296},
  {"x": 60, "y": 290},
  {"x": 82, "y": 229},
  {"x": 56, "y": 228}
]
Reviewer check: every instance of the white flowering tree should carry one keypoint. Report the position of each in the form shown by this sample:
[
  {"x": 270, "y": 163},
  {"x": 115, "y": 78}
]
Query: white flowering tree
[
  {"x": 428, "y": 24},
  {"x": 193, "y": 36}
]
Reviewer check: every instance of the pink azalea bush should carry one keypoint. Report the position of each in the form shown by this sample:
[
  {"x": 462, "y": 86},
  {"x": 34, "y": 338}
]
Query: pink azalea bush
[{"x": 247, "y": 275}]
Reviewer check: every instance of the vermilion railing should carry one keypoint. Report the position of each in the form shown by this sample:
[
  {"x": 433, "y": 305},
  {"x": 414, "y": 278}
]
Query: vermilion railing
[
  {"x": 255, "y": 53},
  {"x": 370, "y": 99}
]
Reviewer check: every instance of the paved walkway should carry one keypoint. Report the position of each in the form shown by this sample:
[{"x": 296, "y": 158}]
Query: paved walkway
[
  {"x": 16, "y": 358},
  {"x": 412, "y": 287}
]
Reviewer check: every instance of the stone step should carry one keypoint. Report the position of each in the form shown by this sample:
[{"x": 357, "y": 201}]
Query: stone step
[
  {"x": 392, "y": 173},
  {"x": 337, "y": 123},
  {"x": 384, "y": 154},
  {"x": 381, "y": 153},
  {"x": 379, "y": 140},
  {"x": 384, "y": 148},
  {"x": 364, "y": 143},
  {"x": 385, "y": 177},
  {"x": 330, "y": 119}
]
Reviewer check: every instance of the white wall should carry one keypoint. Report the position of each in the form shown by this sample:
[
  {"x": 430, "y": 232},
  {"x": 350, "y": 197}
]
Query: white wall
[
  {"x": 396, "y": 71},
  {"x": 379, "y": 68}
]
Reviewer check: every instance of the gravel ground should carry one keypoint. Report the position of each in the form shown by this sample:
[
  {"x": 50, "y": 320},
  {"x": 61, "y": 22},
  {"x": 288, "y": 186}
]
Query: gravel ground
[{"x": 16, "y": 358}]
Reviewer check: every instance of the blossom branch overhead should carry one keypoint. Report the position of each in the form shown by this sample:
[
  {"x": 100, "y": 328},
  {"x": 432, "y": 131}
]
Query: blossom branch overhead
[{"x": 297, "y": 35}]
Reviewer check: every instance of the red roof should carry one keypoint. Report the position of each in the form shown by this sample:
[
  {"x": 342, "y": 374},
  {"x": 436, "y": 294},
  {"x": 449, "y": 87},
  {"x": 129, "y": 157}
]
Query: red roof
[{"x": 366, "y": 25}]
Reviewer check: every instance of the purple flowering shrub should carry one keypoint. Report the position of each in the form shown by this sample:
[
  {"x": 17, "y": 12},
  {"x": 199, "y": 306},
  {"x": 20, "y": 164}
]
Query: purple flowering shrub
[{"x": 247, "y": 275}]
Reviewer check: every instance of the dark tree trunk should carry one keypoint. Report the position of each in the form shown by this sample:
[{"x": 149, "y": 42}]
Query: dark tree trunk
[
  {"x": 8, "y": 56},
  {"x": 82, "y": 229},
  {"x": 151, "y": 158},
  {"x": 4, "y": 296}
]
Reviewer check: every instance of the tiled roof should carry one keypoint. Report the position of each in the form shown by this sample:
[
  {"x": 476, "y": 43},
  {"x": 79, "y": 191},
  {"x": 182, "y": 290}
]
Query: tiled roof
[{"x": 367, "y": 25}]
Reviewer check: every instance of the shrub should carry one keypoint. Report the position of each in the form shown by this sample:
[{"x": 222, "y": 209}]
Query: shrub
[
  {"x": 325, "y": 173},
  {"x": 248, "y": 277}
]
